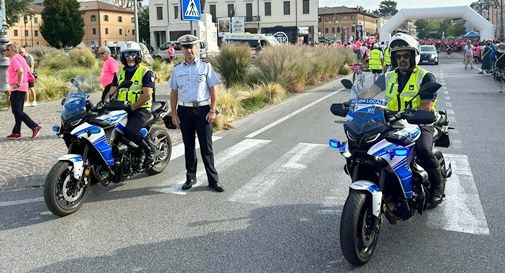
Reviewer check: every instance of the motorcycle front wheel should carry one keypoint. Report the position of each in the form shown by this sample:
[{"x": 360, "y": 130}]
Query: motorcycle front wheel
[
  {"x": 359, "y": 228},
  {"x": 63, "y": 195}
]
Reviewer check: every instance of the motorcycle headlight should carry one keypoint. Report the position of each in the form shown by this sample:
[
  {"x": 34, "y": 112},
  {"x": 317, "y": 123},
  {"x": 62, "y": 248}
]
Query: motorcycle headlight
[{"x": 75, "y": 122}]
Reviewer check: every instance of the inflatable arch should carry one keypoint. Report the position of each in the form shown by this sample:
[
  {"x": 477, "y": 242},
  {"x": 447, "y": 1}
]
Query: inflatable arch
[{"x": 484, "y": 26}]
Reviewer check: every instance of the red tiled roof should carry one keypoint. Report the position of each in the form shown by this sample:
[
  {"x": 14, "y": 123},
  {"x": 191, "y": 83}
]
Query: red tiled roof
[{"x": 98, "y": 5}]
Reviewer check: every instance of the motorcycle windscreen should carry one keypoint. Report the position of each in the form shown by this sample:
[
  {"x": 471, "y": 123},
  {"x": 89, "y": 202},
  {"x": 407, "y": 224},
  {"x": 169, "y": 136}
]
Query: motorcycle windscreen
[{"x": 365, "y": 117}]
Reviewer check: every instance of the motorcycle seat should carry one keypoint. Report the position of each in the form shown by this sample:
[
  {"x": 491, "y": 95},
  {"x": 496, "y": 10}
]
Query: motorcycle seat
[
  {"x": 148, "y": 121},
  {"x": 156, "y": 106}
]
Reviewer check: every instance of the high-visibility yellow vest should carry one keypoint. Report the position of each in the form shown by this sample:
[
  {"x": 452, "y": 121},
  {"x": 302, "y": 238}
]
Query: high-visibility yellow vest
[
  {"x": 133, "y": 93},
  {"x": 375, "y": 61},
  {"x": 387, "y": 56},
  {"x": 398, "y": 101}
]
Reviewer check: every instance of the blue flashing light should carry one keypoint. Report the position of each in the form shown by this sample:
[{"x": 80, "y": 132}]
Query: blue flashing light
[
  {"x": 94, "y": 130},
  {"x": 55, "y": 128},
  {"x": 401, "y": 151},
  {"x": 335, "y": 144}
]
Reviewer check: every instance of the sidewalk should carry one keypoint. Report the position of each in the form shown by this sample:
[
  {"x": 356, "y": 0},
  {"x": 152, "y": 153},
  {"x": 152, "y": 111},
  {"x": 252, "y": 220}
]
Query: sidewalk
[{"x": 25, "y": 163}]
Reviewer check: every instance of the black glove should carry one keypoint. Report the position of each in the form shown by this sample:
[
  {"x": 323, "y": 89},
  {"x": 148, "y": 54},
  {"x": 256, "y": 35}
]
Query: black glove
[{"x": 128, "y": 108}]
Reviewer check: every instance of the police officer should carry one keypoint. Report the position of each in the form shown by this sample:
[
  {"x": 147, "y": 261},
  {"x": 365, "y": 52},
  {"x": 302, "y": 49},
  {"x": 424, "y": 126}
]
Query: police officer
[
  {"x": 387, "y": 60},
  {"x": 139, "y": 94},
  {"x": 193, "y": 100},
  {"x": 375, "y": 61},
  {"x": 401, "y": 86}
]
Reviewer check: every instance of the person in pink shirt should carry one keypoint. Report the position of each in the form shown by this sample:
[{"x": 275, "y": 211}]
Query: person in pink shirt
[
  {"x": 109, "y": 69},
  {"x": 171, "y": 52},
  {"x": 17, "y": 79}
]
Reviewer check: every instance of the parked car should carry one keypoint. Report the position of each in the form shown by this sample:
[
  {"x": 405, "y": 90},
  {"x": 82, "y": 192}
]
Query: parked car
[
  {"x": 429, "y": 54},
  {"x": 162, "y": 51}
]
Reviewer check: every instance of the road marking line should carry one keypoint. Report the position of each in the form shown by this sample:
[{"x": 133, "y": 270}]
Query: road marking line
[
  {"x": 462, "y": 209},
  {"x": 288, "y": 166},
  {"x": 446, "y": 92},
  {"x": 450, "y": 111},
  {"x": 447, "y": 98},
  {"x": 448, "y": 104},
  {"x": 451, "y": 119},
  {"x": 225, "y": 159},
  {"x": 277, "y": 122},
  {"x": 21, "y": 202},
  {"x": 178, "y": 150}
]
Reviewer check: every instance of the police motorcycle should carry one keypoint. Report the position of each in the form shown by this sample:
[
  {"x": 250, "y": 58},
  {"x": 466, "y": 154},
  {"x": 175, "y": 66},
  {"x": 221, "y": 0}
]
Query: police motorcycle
[
  {"x": 98, "y": 151},
  {"x": 381, "y": 161}
]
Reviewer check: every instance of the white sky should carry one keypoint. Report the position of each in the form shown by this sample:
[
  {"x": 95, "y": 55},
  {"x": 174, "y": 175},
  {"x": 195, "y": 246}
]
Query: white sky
[{"x": 374, "y": 4}]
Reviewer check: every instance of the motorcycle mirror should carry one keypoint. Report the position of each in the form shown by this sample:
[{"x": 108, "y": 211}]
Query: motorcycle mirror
[
  {"x": 74, "y": 82},
  {"x": 339, "y": 109},
  {"x": 126, "y": 84},
  {"x": 430, "y": 88},
  {"x": 63, "y": 101},
  {"x": 346, "y": 83}
]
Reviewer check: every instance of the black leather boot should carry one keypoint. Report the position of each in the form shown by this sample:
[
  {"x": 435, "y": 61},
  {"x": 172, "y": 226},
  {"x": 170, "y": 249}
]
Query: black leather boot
[
  {"x": 437, "y": 187},
  {"x": 149, "y": 149}
]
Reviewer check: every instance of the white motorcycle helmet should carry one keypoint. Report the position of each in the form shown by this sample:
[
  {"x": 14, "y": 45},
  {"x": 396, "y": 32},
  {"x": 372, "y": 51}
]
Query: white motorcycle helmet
[
  {"x": 130, "y": 46},
  {"x": 402, "y": 41}
]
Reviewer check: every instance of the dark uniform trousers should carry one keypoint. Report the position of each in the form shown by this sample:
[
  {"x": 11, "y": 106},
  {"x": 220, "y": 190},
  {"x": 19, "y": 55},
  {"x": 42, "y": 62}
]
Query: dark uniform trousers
[
  {"x": 135, "y": 121},
  {"x": 424, "y": 148},
  {"x": 17, "y": 102},
  {"x": 193, "y": 120}
]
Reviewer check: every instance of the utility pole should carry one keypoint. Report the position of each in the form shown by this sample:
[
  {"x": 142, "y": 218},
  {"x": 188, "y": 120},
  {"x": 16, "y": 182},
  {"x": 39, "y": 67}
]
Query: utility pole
[
  {"x": 4, "y": 61},
  {"x": 501, "y": 19},
  {"x": 135, "y": 11}
]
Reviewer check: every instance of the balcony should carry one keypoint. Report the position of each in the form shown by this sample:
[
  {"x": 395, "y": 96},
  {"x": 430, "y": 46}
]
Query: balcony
[{"x": 252, "y": 18}]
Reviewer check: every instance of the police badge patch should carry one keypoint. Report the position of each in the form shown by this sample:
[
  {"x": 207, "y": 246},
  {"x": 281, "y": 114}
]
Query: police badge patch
[{"x": 411, "y": 87}]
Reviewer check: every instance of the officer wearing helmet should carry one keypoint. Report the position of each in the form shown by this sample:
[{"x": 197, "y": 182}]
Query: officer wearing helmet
[
  {"x": 193, "y": 99},
  {"x": 138, "y": 94},
  {"x": 401, "y": 85}
]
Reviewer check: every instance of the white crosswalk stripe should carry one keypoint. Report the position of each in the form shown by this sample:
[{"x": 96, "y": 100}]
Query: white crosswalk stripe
[
  {"x": 287, "y": 167},
  {"x": 462, "y": 210},
  {"x": 223, "y": 161}
]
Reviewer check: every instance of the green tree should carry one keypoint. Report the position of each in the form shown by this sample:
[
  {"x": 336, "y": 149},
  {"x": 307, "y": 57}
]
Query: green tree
[
  {"x": 14, "y": 9},
  {"x": 421, "y": 27},
  {"x": 456, "y": 30},
  {"x": 144, "y": 26},
  {"x": 63, "y": 25},
  {"x": 387, "y": 8}
]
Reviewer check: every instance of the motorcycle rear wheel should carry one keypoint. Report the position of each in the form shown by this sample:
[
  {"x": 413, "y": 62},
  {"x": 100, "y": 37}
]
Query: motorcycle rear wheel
[
  {"x": 62, "y": 195},
  {"x": 359, "y": 229},
  {"x": 163, "y": 142}
]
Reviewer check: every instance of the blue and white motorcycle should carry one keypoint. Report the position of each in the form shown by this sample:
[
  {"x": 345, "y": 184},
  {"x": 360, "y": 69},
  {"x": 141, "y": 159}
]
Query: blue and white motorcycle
[
  {"x": 98, "y": 151},
  {"x": 381, "y": 161}
]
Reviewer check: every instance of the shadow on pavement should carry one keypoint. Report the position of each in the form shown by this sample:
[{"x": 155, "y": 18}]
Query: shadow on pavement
[{"x": 289, "y": 238}]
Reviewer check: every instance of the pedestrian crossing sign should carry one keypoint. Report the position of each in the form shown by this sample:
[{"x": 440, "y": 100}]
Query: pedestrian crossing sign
[{"x": 191, "y": 10}]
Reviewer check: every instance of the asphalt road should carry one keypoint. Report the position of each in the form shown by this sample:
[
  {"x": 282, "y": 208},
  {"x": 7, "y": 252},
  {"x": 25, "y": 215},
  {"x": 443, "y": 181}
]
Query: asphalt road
[{"x": 281, "y": 209}]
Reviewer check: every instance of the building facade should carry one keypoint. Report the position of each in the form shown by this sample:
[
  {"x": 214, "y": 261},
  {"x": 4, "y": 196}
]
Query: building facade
[
  {"x": 26, "y": 32},
  {"x": 105, "y": 24},
  {"x": 343, "y": 23},
  {"x": 295, "y": 17}
]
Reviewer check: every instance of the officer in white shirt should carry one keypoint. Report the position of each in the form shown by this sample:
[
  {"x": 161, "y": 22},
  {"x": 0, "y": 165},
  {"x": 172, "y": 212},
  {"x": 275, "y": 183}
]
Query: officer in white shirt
[{"x": 193, "y": 100}]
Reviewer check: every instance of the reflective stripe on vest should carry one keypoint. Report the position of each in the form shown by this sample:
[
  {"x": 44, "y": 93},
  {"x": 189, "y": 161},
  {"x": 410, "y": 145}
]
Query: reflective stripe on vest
[
  {"x": 133, "y": 93},
  {"x": 398, "y": 101},
  {"x": 387, "y": 56},
  {"x": 375, "y": 59}
]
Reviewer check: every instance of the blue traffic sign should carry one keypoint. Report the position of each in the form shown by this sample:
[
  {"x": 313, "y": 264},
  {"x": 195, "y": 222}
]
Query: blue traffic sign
[{"x": 191, "y": 10}]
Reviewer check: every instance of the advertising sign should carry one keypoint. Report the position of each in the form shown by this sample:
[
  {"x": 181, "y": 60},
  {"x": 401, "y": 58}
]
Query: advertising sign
[
  {"x": 237, "y": 25},
  {"x": 359, "y": 31},
  {"x": 281, "y": 37},
  {"x": 223, "y": 26}
]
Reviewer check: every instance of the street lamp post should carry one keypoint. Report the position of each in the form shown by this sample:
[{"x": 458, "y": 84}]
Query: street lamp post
[
  {"x": 4, "y": 61},
  {"x": 501, "y": 19}
]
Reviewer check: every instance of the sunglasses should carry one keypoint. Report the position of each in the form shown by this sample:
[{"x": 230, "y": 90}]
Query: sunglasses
[
  {"x": 188, "y": 46},
  {"x": 404, "y": 56},
  {"x": 101, "y": 53},
  {"x": 130, "y": 54}
]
